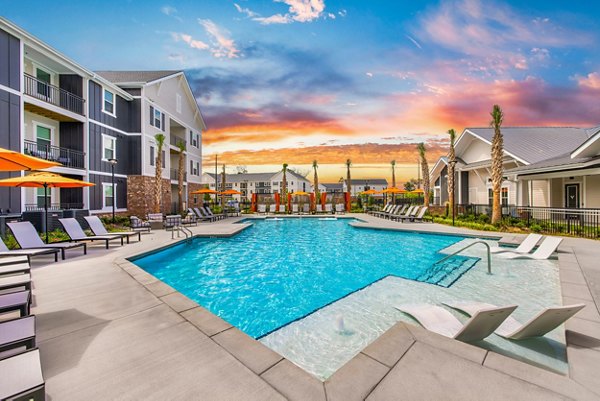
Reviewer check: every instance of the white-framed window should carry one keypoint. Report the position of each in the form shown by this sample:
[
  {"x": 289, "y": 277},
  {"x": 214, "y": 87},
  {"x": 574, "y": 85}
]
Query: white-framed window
[
  {"x": 109, "y": 147},
  {"x": 41, "y": 194},
  {"x": 152, "y": 156},
  {"x": 108, "y": 102},
  {"x": 197, "y": 169},
  {"x": 157, "y": 118},
  {"x": 109, "y": 194},
  {"x": 194, "y": 139},
  {"x": 503, "y": 196},
  {"x": 178, "y": 102}
]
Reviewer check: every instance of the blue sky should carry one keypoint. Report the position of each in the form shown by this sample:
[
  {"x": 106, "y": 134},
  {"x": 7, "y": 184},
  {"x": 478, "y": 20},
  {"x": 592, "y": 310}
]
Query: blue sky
[{"x": 293, "y": 80}]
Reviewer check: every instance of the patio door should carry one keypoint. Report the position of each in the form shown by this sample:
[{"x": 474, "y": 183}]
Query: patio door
[{"x": 572, "y": 196}]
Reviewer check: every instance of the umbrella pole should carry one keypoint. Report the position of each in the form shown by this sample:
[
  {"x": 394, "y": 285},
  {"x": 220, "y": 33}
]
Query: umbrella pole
[{"x": 46, "y": 210}]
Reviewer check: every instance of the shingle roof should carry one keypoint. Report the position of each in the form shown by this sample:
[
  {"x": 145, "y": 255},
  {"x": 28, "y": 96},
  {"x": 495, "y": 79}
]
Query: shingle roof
[
  {"x": 370, "y": 181},
  {"x": 118, "y": 77},
  {"x": 534, "y": 144}
]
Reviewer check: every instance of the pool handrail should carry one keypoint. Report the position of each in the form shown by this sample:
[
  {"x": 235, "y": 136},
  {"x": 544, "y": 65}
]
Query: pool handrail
[{"x": 489, "y": 254}]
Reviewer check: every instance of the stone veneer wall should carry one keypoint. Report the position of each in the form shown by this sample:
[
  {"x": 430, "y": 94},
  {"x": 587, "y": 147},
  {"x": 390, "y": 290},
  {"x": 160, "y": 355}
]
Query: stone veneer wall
[
  {"x": 191, "y": 188},
  {"x": 140, "y": 198}
]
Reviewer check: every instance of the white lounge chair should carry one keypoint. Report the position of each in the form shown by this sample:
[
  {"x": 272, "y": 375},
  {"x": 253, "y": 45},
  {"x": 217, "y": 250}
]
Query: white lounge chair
[
  {"x": 28, "y": 238},
  {"x": 439, "y": 320},
  {"x": 22, "y": 377},
  {"x": 262, "y": 209},
  {"x": 295, "y": 208},
  {"x": 98, "y": 229},
  {"x": 339, "y": 208},
  {"x": 414, "y": 216},
  {"x": 524, "y": 248},
  {"x": 4, "y": 251},
  {"x": 76, "y": 233},
  {"x": 402, "y": 213},
  {"x": 306, "y": 208},
  {"x": 328, "y": 208},
  {"x": 545, "y": 321},
  {"x": 544, "y": 251}
]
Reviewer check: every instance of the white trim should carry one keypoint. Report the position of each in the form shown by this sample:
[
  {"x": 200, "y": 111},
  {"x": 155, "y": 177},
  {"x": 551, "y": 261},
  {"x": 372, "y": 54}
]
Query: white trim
[
  {"x": 11, "y": 90},
  {"x": 114, "y": 196},
  {"x": 585, "y": 145},
  {"x": 102, "y": 173},
  {"x": 489, "y": 143},
  {"x": 99, "y": 211},
  {"x": 114, "y": 102},
  {"x": 112, "y": 139},
  {"x": 98, "y": 123}
]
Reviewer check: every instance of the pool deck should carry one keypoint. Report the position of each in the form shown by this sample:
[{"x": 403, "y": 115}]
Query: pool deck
[{"x": 107, "y": 330}]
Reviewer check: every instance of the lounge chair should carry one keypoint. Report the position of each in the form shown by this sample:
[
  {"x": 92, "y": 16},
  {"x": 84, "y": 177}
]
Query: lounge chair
[
  {"x": 306, "y": 209},
  {"x": 15, "y": 268},
  {"x": 439, "y": 320},
  {"x": 4, "y": 251},
  {"x": 542, "y": 323},
  {"x": 385, "y": 209},
  {"x": 398, "y": 213},
  {"x": 395, "y": 210},
  {"x": 76, "y": 233},
  {"x": 16, "y": 333},
  {"x": 319, "y": 209},
  {"x": 328, "y": 208},
  {"x": 415, "y": 217},
  {"x": 218, "y": 216},
  {"x": 28, "y": 238},
  {"x": 524, "y": 248},
  {"x": 261, "y": 209},
  {"x": 199, "y": 215},
  {"x": 15, "y": 301},
  {"x": 172, "y": 221},
  {"x": 295, "y": 209},
  {"x": 98, "y": 229},
  {"x": 205, "y": 215},
  {"x": 138, "y": 225},
  {"x": 544, "y": 251},
  {"x": 16, "y": 281},
  {"x": 21, "y": 377},
  {"x": 339, "y": 208},
  {"x": 190, "y": 219}
]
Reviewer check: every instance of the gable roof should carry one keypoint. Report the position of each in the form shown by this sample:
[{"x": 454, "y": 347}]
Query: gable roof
[
  {"x": 369, "y": 181},
  {"x": 136, "y": 77},
  {"x": 535, "y": 144},
  {"x": 255, "y": 177},
  {"x": 559, "y": 163},
  {"x": 332, "y": 185}
]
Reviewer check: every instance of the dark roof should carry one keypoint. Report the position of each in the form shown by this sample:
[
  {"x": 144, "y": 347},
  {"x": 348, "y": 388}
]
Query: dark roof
[
  {"x": 370, "y": 181},
  {"x": 535, "y": 144},
  {"x": 562, "y": 162},
  {"x": 119, "y": 77},
  {"x": 260, "y": 177},
  {"x": 332, "y": 185}
]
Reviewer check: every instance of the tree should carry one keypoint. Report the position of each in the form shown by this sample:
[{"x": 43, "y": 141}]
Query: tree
[
  {"x": 241, "y": 169},
  {"x": 223, "y": 184},
  {"x": 284, "y": 184},
  {"x": 160, "y": 142},
  {"x": 410, "y": 185},
  {"x": 316, "y": 180},
  {"x": 348, "y": 178},
  {"x": 451, "y": 170},
  {"x": 180, "y": 173},
  {"x": 497, "y": 162},
  {"x": 424, "y": 173},
  {"x": 393, "y": 163}
]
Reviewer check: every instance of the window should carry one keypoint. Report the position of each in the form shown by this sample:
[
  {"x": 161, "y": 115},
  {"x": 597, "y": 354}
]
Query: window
[
  {"x": 152, "y": 156},
  {"x": 503, "y": 196},
  {"x": 41, "y": 196},
  {"x": 194, "y": 139},
  {"x": 178, "y": 102},
  {"x": 157, "y": 118},
  {"x": 109, "y": 147},
  {"x": 108, "y": 195},
  {"x": 192, "y": 167},
  {"x": 108, "y": 105},
  {"x": 43, "y": 140},
  {"x": 197, "y": 169},
  {"x": 44, "y": 80},
  {"x": 164, "y": 160}
]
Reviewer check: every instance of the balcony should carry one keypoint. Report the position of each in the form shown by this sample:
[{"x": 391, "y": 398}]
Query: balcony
[
  {"x": 174, "y": 140},
  {"x": 53, "y": 95},
  {"x": 174, "y": 173},
  {"x": 66, "y": 157}
]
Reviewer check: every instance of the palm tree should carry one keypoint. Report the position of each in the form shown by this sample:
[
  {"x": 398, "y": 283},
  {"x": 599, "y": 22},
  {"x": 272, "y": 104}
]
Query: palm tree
[
  {"x": 497, "y": 168},
  {"x": 393, "y": 163},
  {"x": 284, "y": 185},
  {"x": 180, "y": 173},
  {"x": 316, "y": 179},
  {"x": 451, "y": 170},
  {"x": 223, "y": 184},
  {"x": 160, "y": 142},
  {"x": 424, "y": 173},
  {"x": 348, "y": 178}
]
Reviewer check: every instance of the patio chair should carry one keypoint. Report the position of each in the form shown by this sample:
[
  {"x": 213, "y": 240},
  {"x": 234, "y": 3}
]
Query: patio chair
[
  {"x": 28, "y": 238},
  {"x": 306, "y": 209},
  {"x": 138, "y": 224},
  {"x": 439, "y": 320},
  {"x": 5, "y": 252},
  {"x": 339, "y": 208},
  {"x": 548, "y": 246},
  {"x": 190, "y": 219},
  {"x": 203, "y": 212},
  {"x": 398, "y": 212},
  {"x": 524, "y": 248},
  {"x": 76, "y": 233},
  {"x": 410, "y": 213},
  {"x": 172, "y": 221},
  {"x": 15, "y": 281},
  {"x": 199, "y": 215},
  {"x": 16, "y": 333},
  {"x": 394, "y": 211},
  {"x": 15, "y": 301},
  {"x": 295, "y": 208},
  {"x": 218, "y": 216},
  {"x": 418, "y": 217},
  {"x": 98, "y": 229},
  {"x": 261, "y": 209},
  {"x": 15, "y": 268},
  {"x": 23, "y": 379},
  {"x": 385, "y": 209},
  {"x": 545, "y": 321},
  {"x": 319, "y": 209}
]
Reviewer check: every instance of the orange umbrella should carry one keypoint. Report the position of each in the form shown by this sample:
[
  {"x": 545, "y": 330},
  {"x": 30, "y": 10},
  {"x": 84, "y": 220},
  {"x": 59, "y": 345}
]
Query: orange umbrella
[
  {"x": 230, "y": 192},
  {"x": 15, "y": 161},
  {"x": 417, "y": 191},
  {"x": 370, "y": 192},
  {"x": 300, "y": 193},
  {"x": 204, "y": 191},
  {"x": 394, "y": 190},
  {"x": 44, "y": 179}
]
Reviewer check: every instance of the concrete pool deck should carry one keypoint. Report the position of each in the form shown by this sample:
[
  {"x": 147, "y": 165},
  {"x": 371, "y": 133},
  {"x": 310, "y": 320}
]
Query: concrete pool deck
[{"x": 108, "y": 330}]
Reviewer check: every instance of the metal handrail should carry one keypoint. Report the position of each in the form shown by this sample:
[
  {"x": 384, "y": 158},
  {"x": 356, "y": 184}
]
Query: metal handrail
[
  {"x": 489, "y": 254},
  {"x": 183, "y": 229}
]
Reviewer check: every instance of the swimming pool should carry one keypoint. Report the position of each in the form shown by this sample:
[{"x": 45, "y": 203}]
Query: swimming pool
[{"x": 278, "y": 271}]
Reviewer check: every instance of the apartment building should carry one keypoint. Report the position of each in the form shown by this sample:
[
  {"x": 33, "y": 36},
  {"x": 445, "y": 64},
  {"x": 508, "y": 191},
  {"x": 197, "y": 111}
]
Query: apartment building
[{"x": 94, "y": 124}]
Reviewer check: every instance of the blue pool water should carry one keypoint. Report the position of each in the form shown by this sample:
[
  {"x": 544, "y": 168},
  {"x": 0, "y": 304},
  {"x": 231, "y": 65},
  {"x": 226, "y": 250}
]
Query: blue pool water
[{"x": 276, "y": 272}]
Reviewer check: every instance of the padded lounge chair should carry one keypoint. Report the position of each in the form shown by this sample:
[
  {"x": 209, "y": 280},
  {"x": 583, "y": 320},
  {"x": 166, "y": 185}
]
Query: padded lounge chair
[
  {"x": 394, "y": 211},
  {"x": 295, "y": 209},
  {"x": 328, "y": 208},
  {"x": 28, "y": 238},
  {"x": 339, "y": 208},
  {"x": 199, "y": 215},
  {"x": 15, "y": 268},
  {"x": 385, "y": 209},
  {"x": 76, "y": 233},
  {"x": 98, "y": 229},
  {"x": 544, "y": 251},
  {"x": 524, "y": 248},
  {"x": 439, "y": 320},
  {"x": 542, "y": 323},
  {"x": 203, "y": 213},
  {"x": 400, "y": 212},
  {"x": 16, "y": 281},
  {"x": 22, "y": 377},
  {"x": 15, "y": 301},
  {"x": 415, "y": 217},
  {"x": 209, "y": 213},
  {"x": 4, "y": 251},
  {"x": 261, "y": 209},
  {"x": 16, "y": 333}
]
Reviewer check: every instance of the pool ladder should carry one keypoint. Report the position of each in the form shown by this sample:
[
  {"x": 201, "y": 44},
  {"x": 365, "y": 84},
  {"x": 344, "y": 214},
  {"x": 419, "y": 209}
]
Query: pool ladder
[
  {"x": 181, "y": 229},
  {"x": 489, "y": 254}
]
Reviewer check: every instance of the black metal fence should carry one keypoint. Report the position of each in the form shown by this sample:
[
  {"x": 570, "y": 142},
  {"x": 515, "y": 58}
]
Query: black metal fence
[
  {"x": 53, "y": 94},
  {"x": 31, "y": 207},
  {"x": 66, "y": 157}
]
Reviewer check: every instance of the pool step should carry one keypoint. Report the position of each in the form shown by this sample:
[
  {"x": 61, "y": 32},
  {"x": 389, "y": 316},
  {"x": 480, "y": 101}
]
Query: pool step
[{"x": 446, "y": 273}]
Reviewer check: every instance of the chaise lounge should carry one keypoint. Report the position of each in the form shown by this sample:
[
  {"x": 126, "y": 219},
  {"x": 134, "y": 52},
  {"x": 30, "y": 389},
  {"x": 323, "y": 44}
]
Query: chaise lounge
[
  {"x": 28, "y": 238},
  {"x": 98, "y": 229},
  {"x": 76, "y": 233},
  {"x": 4, "y": 251},
  {"x": 544, "y": 251}
]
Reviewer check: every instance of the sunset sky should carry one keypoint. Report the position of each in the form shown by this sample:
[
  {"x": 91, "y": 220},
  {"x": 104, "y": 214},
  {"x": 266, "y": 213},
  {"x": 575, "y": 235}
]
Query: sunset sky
[{"x": 296, "y": 80}]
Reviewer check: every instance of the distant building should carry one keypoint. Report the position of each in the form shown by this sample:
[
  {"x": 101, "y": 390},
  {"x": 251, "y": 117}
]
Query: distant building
[{"x": 357, "y": 186}]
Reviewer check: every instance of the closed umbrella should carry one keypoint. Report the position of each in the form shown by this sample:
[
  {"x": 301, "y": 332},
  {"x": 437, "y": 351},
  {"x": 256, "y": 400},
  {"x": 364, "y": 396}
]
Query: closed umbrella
[{"x": 44, "y": 179}]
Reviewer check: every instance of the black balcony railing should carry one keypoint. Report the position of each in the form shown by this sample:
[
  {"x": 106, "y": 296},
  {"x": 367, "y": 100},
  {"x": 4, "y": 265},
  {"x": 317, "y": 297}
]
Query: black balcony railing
[
  {"x": 53, "y": 95},
  {"x": 175, "y": 140},
  {"x": 33, "y": 207},
  {"x": 174, "y": 174},
  {"x": 66, "y": 157}
]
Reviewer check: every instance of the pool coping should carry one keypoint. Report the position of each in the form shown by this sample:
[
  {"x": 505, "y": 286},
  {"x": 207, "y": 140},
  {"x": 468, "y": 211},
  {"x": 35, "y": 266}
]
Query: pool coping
[{"x": 374, "y": 362}]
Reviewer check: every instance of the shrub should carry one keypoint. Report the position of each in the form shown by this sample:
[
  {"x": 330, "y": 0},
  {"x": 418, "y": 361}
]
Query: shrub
[
  {"x": 536, "y": 228},
  {"x": 483, "y": 218}
]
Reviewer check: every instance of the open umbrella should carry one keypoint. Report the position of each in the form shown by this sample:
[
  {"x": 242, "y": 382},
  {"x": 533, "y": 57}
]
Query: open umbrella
[
  {"x": 230, "y": 192},
  {"x": 300, "y": 193},
  {"x": 15, "y": 161},
  {"x": 394, "y": 190},
  {"x": 204, "y": 191},
  {"x": 417, "y": 191},
  {"x": 370, "y": 192},
  {"x": 44, "y": 179}
]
